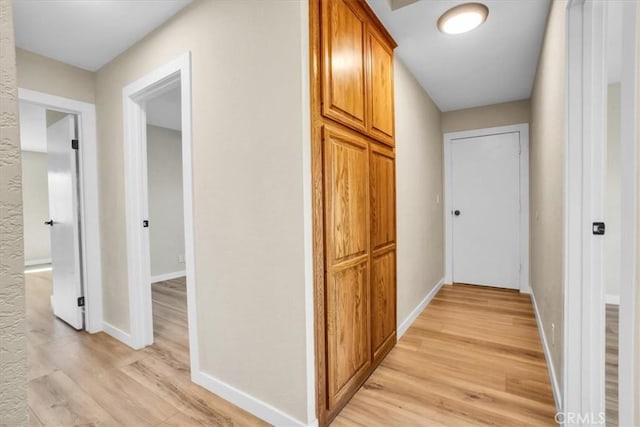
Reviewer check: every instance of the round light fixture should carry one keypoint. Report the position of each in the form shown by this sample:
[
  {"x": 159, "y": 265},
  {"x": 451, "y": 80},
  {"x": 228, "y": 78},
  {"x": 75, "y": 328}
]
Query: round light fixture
[{"x": 463, "y": 18}]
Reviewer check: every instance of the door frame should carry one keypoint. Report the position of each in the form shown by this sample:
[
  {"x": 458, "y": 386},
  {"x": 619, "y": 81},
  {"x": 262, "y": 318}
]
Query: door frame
[
  {"x": 523, "y": 130},
  {"x": 584, "y": 295},
  {"x": 135, "y": 95},
  {"x": 89, "y": 215}
]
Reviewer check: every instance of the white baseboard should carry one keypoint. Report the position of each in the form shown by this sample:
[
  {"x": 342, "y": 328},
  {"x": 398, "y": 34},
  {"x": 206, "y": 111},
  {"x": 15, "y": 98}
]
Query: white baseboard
[
  {"x": 612, "y": 299},
  {"x": 118, "y": 334},
  {"x": 168, "y": 276},
  {"x": 42, "y": 261},
  {"x": 247, "y": 402},
  {"x": 406, "y": 323},
  {"x": 547, "y": 354}
]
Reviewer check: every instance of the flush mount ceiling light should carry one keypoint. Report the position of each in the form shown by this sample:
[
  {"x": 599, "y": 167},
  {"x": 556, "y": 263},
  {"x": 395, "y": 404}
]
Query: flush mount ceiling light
[{"x": 463, "y": 18}]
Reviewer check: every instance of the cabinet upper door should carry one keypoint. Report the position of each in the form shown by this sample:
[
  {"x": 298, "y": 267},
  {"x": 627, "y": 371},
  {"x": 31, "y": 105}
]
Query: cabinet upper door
[
  {"x": 344, "y": 65},
  {"x": 380, "y": 80}
]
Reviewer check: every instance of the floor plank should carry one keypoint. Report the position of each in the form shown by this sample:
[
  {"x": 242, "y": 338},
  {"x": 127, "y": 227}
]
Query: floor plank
[
  {"x": 611, "y": 392},
  {"x": 77, "y": 378},
  {"x": 473, "y": 357}
]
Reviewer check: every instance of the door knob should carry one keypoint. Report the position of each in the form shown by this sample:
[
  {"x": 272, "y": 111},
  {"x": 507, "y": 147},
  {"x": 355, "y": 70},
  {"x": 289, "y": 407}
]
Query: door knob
[
  {"x": 49, "y": 223},
  {"x": 456, "y": 213}
]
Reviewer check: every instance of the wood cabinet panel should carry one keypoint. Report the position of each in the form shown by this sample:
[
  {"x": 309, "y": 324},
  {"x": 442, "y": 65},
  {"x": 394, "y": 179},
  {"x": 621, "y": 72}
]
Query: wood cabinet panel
[
  {"x": 343, "y": 76},
  {"x": 380, "y": 94},
  {"x": 383, "y": 300},
  {"x": 383, "y": 197},
  {"x": 353, "y": 183},
  {"x": 347, "y": 194},
  {"x": 347, "y": 329}
]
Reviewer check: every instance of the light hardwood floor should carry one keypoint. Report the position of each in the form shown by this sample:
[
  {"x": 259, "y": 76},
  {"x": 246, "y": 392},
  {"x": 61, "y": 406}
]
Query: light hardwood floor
[
  {"x": 612, "y": 366},
  {"x": 77, "y": 378},
  {"x": 473, "y": 357}
]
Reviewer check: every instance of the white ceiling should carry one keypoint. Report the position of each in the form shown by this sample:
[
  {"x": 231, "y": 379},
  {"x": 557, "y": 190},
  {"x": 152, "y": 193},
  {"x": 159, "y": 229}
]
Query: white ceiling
[
  {"x": 494, "y": 63},
  {"x": 88, "y": 33},
  {"x": 164, "y": 110}
]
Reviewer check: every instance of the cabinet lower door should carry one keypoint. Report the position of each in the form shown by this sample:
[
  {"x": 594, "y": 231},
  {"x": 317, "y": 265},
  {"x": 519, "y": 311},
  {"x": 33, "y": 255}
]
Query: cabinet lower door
[
  {"x": 383, "y": 250},
  {"x": 346, "y": 165}
]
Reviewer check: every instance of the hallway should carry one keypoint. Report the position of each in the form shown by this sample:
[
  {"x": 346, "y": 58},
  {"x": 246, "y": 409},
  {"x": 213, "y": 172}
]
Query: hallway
[{"x": 473, "y": 357}]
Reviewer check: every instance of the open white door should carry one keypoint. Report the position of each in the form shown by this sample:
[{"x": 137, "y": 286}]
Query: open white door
[
  {"x": 485, "y": 180},
  {"x": 65, "y": 232}
]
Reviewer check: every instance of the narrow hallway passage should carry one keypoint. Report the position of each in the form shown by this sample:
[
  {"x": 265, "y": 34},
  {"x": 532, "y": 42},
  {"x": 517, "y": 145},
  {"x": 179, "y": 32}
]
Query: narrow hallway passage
[{"x": 473, "y": 357}]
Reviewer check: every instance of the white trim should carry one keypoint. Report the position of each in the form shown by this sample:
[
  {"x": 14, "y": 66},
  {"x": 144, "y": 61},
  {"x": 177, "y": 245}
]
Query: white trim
[
  {"x": 247, "y": 402},
  {"x": 628, "y": 365},
  {"x": 37, "y": 262},
  {"x": 177, "y": 71},
  {"x": 612, "y": 299},
  {"x": 168, "y": 276},
  {"x": 308, "y": 217},
  {"x": 37, "y": 270},
  {"x": 584, "y": 308},
  {"x": 117, "y": 333},
  {"x": 555, "y": 386},
  {"x": 408, "y": 321},
  {"x": 89, "y": 203},
  {"x": 523, "y": 130}
]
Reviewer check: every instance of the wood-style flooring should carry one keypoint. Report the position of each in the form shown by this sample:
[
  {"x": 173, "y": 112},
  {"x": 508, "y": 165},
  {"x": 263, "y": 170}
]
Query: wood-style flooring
[
  {"x": 612, "y": 366},
  {"x": 473, "y": 357},
  {"x": 79, "y": 379}
]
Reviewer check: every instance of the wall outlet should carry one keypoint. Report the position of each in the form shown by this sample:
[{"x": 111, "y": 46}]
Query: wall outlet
[
  {"x": 181, "y": 258},
  {"x": 437, "y": 199},
  {"x": 553, "y": 334}
]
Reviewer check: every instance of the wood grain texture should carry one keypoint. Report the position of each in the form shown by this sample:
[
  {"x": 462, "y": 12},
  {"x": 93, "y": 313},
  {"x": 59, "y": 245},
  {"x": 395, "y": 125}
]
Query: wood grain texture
[
  {"x": 347, "y": 241},
  {"x": 347, "y": 195},
  {"x": 473, "y": 357},
  {"x": 383, "y": 197},
  {"x": 77, "y": 378},
  {"x": 381, "y": 123},
  {"x": 344, "y": 63},
  {"x": 347, "y": 330},
  {"x": 383, "y": 302},
  {"x": 611, "y": 379},
  {"x": 342, "y": 172}
]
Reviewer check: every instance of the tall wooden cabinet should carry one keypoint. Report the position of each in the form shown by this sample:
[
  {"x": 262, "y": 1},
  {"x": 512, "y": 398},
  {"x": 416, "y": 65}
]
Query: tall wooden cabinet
[{"x": 353, "y": 159}]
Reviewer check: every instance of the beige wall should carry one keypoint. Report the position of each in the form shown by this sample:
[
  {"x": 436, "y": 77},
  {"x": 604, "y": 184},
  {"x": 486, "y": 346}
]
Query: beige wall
[
  {"x": 613, "y": 194},
  {"x": 419, "y": 162},
  {"x": 42, "y": 74},
  {"x": 13, "y": 348},
  {"x": 35, "y": 207},
  {"x": 248, "y": 190},
  {"x": 166, "y": 205},
  {"x": 508, "y": 113},
  {"x": 547, "y": 142}
]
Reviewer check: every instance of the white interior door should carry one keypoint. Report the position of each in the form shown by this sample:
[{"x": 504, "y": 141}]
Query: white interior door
[
  {"x": 486, "y": 210},
  {"x": 65, "y": 232}
]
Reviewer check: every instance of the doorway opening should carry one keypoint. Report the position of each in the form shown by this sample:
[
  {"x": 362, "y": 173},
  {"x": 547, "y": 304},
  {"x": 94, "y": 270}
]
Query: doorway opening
[
  {"x": 166, "y": 221},
  {"x": 62, "y": 241},
  {"x": 52, "y": 240},
  {"x": 159, "y": 207}
]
